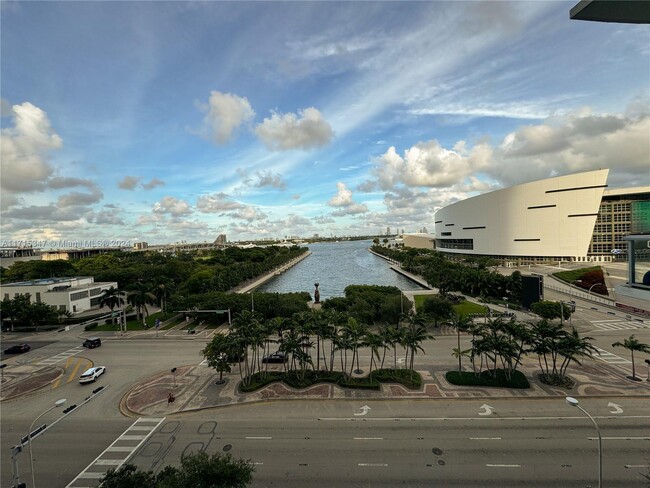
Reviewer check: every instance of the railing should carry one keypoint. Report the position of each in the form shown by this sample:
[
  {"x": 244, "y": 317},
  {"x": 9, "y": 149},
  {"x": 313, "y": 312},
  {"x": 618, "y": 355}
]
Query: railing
[{"x": 572, "y": 292}]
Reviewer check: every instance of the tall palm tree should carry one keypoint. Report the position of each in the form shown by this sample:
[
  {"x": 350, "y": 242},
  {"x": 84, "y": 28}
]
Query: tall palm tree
[
  {"x": 112, "y": 298},
  {"x": 461, "y": 323},
  {"x": 632, "y": 344},
  {"x": 162, "y": 292},
  {"x": 139, "y": 296},
  {"x": 414, "y": 336},
  {"x": 374, "y": 342}
]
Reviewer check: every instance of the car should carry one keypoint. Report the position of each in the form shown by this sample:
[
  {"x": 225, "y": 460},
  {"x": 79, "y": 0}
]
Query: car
[
  {"x": 91, "y": 375},
  {"x": 276, "y": 357},
  {"x": 18, "y": 349},
  {"x": 92, "y": 342}
]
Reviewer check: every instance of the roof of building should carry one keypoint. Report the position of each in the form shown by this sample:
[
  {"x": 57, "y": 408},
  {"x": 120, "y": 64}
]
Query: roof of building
[{"x": 626, "y": 191}]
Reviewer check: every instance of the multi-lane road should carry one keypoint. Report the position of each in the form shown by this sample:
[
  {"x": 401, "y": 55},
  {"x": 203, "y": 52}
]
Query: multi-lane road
[{"x": 515, "y": 442}]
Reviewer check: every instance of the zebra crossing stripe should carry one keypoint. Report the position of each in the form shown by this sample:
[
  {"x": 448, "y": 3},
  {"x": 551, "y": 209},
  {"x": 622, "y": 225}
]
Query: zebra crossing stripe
[
  {"x": 61, "y": 356},
  {"x": 91, "y": 471},
  {"x": 610, "y": 358},
  {"x": 617, "y": 325}
]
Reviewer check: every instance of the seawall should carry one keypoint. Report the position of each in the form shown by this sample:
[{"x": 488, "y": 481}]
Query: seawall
[
  {"x": 394, "y": 265},
  {"x": 257, "y": 282}
]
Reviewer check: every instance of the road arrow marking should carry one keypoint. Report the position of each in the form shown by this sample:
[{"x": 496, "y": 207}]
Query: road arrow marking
[
  {"x": 487, "y": 410},
  {"x": 365, "y": 409},
  {"x": 617, "y": 408},
  {"x": 401, "y": 360}
]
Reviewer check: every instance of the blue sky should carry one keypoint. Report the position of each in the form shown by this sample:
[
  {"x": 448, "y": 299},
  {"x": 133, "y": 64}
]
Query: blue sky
[{"x": 164, "y": 121}]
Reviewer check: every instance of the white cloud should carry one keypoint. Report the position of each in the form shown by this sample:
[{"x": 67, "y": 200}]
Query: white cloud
[
  {"x": 153, "y": 183},
  {"x": 216, "y": 203},
  {"x": 225, "y": 113},
  {"x": 307, "y": 130},
  {"x": 25, "y": 148},
  {"x": 427, "y": 164},
  {"x": 128, "y": 182},
  {"x": 263, "y": 179},
  {"x": 172, "y": 206},
  {"x": 76, "y": 198},
  {"x": 248, "y": 213},
  {"x": 344, "y": 203}
]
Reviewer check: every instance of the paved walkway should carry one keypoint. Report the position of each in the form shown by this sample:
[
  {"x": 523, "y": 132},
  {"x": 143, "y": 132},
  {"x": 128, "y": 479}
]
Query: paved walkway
[{"x": 196, "y": 388}]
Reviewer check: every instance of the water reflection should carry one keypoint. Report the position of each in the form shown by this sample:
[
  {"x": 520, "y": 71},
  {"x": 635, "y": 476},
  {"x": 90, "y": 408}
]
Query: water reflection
[{"x": 336, "y": 265}]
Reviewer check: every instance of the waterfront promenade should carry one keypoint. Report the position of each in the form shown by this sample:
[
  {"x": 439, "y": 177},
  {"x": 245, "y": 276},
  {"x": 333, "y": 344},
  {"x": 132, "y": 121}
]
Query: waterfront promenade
[{"x": 259, "y": 281}]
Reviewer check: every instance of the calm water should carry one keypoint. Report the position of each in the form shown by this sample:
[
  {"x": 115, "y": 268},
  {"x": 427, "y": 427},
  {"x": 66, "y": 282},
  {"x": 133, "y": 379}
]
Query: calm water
[{"x": 336, "y": 265}]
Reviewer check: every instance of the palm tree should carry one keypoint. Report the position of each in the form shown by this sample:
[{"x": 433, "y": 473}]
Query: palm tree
[
  {"x": 632, "y": 344},
  {"x": 112, "y": 298},
  {"x": 162, "y": 292},
  {"x": 414, "y": 336},
  {"x": 457, "y": 352},
  {"x": 374, "y": 342},
  {"x": 461, "y": 323},
  {"x": 139, "y": 296}
]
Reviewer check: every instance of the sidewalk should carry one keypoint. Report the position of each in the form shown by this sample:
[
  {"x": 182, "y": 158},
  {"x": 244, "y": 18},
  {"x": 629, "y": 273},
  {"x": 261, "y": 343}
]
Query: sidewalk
[{"x": 196, "y": 389}]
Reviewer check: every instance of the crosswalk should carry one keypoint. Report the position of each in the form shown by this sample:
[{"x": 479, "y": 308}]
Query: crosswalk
[
  {"x": 61, "y": 356},
  {"x": 610, "y": 358},
  {"x": 117, "y": 453},
  {"x": 619, "y": 324}
]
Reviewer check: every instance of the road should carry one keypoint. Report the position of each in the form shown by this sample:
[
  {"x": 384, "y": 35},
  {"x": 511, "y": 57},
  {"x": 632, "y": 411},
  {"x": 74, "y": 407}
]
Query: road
[{"x": 531, "y": 442}]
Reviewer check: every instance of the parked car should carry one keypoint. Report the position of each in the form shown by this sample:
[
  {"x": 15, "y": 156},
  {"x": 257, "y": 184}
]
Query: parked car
[
  {"x": 276, "y": 357},
  {"x": 91, "y": 375},
  {"x": 92, "y": 342},
  {"x": 18, "y": 349}
]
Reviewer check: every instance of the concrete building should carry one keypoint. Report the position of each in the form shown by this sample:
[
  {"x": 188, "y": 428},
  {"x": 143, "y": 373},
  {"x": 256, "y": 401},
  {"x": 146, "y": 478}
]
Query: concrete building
[
  {"x": 566, "y": 218},
  {"x": 420, "y": 240},
  {"x": 74, "y": 295}
]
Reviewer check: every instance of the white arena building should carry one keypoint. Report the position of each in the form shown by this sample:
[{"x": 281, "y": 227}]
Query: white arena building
[{"x": 547, "y": 220}]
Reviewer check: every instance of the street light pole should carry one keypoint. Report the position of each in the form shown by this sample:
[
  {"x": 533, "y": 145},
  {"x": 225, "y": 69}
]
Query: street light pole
[
  {"x": 58, "y": 403},
  {"x": 574, "y": 403}
]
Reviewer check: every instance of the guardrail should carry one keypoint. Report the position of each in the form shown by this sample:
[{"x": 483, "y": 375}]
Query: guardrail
[{"x": 572, "y": 292}]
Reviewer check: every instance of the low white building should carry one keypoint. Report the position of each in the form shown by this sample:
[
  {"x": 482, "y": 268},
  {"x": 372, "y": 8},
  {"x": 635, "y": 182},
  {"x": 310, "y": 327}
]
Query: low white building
[
  {"x": 420, "y": 240},
  {"x": 74, "y": 295}
]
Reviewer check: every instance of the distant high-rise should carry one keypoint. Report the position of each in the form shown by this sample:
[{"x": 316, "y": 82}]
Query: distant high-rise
[
  {"x": 425, "y": 230},
  {"x": 387, "y": 231},
  {"x": 220, "y": 240}
]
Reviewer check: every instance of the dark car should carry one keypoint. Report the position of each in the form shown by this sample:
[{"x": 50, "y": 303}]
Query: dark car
[
  {"x": 92, "y": 342},
  {"x": 276, "y": 357},
  {"x": 18, "y": 349}
]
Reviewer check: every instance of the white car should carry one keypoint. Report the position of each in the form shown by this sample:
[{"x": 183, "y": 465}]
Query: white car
[{"x": 92, "y": 374}]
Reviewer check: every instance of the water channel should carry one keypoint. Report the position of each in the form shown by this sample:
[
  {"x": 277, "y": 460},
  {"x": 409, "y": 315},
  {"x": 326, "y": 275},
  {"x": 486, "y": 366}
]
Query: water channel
[{"x": 336, "y": 265}]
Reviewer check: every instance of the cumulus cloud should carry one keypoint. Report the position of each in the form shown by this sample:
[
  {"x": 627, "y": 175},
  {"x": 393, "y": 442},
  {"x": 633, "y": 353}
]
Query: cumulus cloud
[
  {"x": 59, "y": 182},
  {"x": 128, "y": 182},
  {"x": 172, "y": 206},
  {"x": 427, "y": 164},
  {"x": 576, "y": 142},
  {"x": 307, "y": 130},
  {"x": 217, "y": 203},
  {"x": 225, "y": 112},
  {"x": 25, "y": 149},
  {"x": 344, "y": 203},
  {"x": 248, "y": 213},
  {"x": 263, "y": 179},
  {"x": 76, "y": 198},
  {"x": 153, "y": 183},
  {"x": 107, "y": 217}
]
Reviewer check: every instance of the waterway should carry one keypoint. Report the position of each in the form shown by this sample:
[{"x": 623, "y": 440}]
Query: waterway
[{"x": 335, "y": 265}]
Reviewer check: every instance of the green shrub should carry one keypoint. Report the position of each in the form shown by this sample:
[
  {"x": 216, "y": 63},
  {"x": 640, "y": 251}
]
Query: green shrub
[
  {"x": 294, "y": 379},
  {"x": 488, "y": 378},
  {"x": 91, "y": 326}
]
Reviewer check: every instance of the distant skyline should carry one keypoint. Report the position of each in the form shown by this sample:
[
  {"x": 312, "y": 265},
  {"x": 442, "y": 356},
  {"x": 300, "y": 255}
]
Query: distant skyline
[{"x": 172, "y": 121}]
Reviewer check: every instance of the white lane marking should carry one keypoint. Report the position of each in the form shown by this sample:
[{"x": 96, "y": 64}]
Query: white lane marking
[
  {"x": 368, "y": 438},
  {"x": 478, "y": 419},
  {"x": 108, "y": 462},
  {"x": 485, "y": 438},
  {"x": 86, "y": 473},
  {"x": 503, "y": 465},
  {"x": 258, "y": 438},
  {"x": 627, "y": 466},
  {"x": 610, "y": 358},
  {"x": 373, "y": 464},
  {"x": 61, "y": 356},
  {"x": 258, "y": 464},
  {"x": 621, "y": 438}
]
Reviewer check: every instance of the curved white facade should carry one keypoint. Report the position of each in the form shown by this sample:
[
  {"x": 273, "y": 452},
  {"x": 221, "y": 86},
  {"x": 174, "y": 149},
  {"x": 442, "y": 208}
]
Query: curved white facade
[{"x": 551, "y": 218}]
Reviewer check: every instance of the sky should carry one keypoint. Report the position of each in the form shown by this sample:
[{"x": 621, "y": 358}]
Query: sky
[{"x": 179, "y": 121}]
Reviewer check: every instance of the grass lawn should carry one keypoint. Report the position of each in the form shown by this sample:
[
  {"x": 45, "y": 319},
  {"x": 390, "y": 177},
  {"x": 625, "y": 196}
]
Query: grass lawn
[
  {"x": 465, "y": 308},
  {"x": 419, "y": 301},
  {"x": 575, "y": 274}
]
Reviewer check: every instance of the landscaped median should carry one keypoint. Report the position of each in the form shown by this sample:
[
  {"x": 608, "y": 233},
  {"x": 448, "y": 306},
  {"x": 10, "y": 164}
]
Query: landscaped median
[
  {"x": 296, "y": 379},
  {"x": 496, "y": 378}
]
